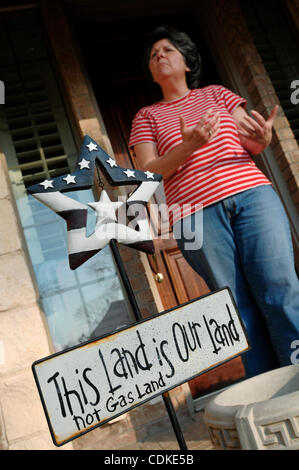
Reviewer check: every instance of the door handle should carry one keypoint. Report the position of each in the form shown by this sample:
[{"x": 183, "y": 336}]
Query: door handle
[{"x": 159, "y": 277}]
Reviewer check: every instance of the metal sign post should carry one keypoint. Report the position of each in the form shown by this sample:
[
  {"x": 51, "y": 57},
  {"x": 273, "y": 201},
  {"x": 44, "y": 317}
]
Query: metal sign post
[{"x": 131, "y": 297}]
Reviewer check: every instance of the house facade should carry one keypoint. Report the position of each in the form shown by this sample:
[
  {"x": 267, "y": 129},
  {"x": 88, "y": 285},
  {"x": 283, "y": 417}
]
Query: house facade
[{"x": 72, "y": 68}]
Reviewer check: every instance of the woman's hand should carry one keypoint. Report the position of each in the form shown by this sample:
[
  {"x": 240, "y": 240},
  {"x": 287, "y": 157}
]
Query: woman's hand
[
  {"x": 255, "y": 134},
  {"x": 200, "y": 134}
]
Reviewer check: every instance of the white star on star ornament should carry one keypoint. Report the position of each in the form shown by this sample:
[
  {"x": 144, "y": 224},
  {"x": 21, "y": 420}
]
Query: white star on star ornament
[
  {"x": 149, "y": 175},
  {"x": 92, "y": 146},
  {"x": 105, "y": 209},
  {"x": 130, "y": 173},
  {"x": 84, "y": 164},
  {"x": 47, "y": 184},
  {"x": 111, "y": 162},
  {"x": 70, "y": 179}
]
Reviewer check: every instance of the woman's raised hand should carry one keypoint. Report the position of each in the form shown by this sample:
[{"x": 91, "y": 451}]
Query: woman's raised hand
[
  {"x": 258, "y": 129},
  {"x": 255, "y": 133},
  {"x": 200, "y": 134}
]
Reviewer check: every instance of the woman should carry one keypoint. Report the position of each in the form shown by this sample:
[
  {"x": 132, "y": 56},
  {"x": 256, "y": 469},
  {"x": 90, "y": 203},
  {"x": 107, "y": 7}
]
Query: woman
[{"x": 201, "y": 141}]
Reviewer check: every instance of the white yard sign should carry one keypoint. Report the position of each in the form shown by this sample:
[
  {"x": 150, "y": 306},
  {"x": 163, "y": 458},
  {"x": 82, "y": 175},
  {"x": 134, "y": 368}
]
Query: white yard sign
[{"x": 92, "y": 383}]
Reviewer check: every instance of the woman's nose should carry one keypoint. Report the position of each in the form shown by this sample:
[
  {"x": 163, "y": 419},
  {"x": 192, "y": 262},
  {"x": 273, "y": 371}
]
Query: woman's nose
[{"x": 160, "y": 54}]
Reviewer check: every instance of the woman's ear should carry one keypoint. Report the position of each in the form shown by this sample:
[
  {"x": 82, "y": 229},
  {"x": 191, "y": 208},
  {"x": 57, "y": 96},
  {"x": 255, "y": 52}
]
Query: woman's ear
[{"x": 187, "y": 69}]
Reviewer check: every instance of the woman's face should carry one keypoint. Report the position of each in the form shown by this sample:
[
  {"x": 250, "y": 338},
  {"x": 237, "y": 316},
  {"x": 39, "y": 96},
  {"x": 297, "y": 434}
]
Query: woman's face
[{"x": 166, "y": 61}]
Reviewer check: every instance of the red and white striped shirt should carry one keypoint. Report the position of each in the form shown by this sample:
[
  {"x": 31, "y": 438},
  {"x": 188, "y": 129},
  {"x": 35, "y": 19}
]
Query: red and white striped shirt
[{"x": 218, "y": 169}]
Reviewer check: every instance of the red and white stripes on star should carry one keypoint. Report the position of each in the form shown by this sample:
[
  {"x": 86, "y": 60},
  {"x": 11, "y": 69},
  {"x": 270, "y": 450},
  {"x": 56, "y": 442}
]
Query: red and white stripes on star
[{"x": 218, "y": 169}]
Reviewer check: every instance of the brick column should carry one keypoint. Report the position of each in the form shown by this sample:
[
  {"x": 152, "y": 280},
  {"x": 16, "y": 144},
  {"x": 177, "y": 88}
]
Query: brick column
[
  {"x": 66, "y": 55},
  {"x": 260, "y": 88}
]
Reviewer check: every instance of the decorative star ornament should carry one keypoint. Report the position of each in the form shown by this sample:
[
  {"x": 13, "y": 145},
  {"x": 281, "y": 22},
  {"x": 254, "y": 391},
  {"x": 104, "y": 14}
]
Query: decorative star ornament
[
  {"x": 105, "y": 209},
  {"x": 80, "y": 246}
]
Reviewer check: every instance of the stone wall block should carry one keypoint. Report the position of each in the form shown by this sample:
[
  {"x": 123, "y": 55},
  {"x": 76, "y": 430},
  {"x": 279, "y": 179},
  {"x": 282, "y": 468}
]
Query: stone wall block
[
  {"x": 9, "y": 239},
  {"x": 23, "y": 339},
  {"x": 42, "y": 441},
  {"x": 22, "y": 409},
  {"x": 16, "y": 287}
]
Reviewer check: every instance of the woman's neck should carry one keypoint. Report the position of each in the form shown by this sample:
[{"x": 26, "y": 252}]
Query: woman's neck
[{"x": 173, "y": 91}]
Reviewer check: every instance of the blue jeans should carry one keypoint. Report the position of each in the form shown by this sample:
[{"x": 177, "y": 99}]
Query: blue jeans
[{"x": 247, "y": 246}]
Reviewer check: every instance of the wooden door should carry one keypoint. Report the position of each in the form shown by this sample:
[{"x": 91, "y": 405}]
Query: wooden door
[{"x": 176, "y": 281}]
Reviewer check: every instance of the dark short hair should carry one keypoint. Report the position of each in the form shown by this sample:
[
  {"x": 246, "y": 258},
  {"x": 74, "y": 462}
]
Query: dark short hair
[{"x": 184, "y": 44}]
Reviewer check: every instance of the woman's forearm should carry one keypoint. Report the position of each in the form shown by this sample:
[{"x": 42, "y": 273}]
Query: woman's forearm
[
  {"x": 165, "y": 165},
  {"x": 168, "y": 164}
]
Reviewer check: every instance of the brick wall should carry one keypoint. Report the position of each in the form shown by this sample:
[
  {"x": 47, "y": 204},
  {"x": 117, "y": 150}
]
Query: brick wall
[{"x": 260, "y": 88}]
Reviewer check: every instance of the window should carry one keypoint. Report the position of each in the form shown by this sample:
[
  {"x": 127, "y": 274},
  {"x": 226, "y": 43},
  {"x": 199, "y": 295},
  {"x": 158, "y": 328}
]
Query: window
[{"x": 36, "y": 138}]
